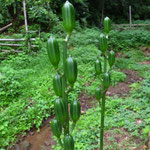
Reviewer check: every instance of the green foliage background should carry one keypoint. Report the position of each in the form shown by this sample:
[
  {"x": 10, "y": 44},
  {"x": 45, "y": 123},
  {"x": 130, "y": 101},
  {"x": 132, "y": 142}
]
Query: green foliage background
[{"x": 47, "y": 13}]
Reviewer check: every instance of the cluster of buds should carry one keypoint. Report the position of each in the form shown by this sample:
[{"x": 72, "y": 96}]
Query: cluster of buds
[
  {"x": 69, "y": 75},
  {"x": 104, "y": 73}
]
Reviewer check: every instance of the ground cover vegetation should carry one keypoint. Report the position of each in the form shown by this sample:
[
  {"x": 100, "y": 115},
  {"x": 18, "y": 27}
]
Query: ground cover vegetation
[{"x": 27, "y": 96}]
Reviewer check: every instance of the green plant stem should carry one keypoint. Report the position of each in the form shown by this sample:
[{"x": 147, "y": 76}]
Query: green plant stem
[
  {"x": 105, "y": 62},
  {"x": 64, "y": 86},
  {"x": 60, "y": 142},
  {"x": 102, "y": 120},
  {"x": 72, "y": 127},
  {"x": 103, "y": 108},
  {"x": 100, "y": 103}
]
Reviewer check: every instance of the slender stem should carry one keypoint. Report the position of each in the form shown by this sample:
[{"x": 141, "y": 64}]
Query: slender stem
[
  {"x": 100, "y": 103},
  {"x": 60, "y": 142},
  {"x": 58, "y": 71},
  {"x": 103, "y": 107},
  {"x": 72, "y": 127},
  {"x": 102, "y": 121},
  {"x": 64, "y": 86},
  {"x": 105, "y": 62},
  {"x": 99, "y": 77}
]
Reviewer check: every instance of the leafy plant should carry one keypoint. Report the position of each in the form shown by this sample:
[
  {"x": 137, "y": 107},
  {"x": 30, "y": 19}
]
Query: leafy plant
[
  {"x": 105, "y": 74},
  {"x": 117, "y": 77},
  {"x": 60, "y": 82}
]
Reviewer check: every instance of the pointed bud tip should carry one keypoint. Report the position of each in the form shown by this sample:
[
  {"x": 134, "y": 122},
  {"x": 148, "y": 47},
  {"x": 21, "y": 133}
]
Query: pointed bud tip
[
  {"x": 112, "y": 52},
  {"x": 51, "y": 38},
  {"x": 67, "y": 3},
  {"x": 107, "y": 17},
  {"x": 102, "y": 35}
]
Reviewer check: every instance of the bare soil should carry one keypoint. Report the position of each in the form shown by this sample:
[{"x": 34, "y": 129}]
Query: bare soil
[
  {"x": 45, "y": 137},
  {"x": 123, "y": 139},
  {"x": 145, "y": 62},
  {"x": 122, "y": 88},
  {"x": 121, "y": 55},
  {"x": 42, "y": 138},
  {"x": 86, "y": 102},
  {"x": 146, "y": 50},
  {"x": 37, "y": 139}
]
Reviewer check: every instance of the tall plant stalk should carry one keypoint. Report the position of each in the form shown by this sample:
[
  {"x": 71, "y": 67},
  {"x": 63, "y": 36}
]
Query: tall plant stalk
[
  {"x": 64, "y": 86},
  {"x": 109, "y": 57},
  {"x": 61, "y": 88},
  {"x": 103, "y": 106},
  {"x": 102, "y": 120}
]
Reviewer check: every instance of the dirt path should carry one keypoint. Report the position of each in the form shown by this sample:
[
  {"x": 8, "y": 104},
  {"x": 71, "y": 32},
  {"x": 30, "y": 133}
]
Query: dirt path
[
  {"x": 44, "y": 137},
  {"x": 146, "y": 50},
  {"x": 123, "y": 88},
  {"x": 35, "y": 140},
  {"x": 145, "y": 62}
]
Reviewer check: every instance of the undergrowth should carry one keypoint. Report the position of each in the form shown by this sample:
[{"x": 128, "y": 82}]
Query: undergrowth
[
  {"x": 26, "y": 94},
  {"x": 126, "y": 118}
]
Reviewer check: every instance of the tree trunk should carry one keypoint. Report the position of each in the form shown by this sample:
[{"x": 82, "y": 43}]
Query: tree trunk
[
  {"x": 25, "y": 16},
  {"x": 102, "y": 12}
]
